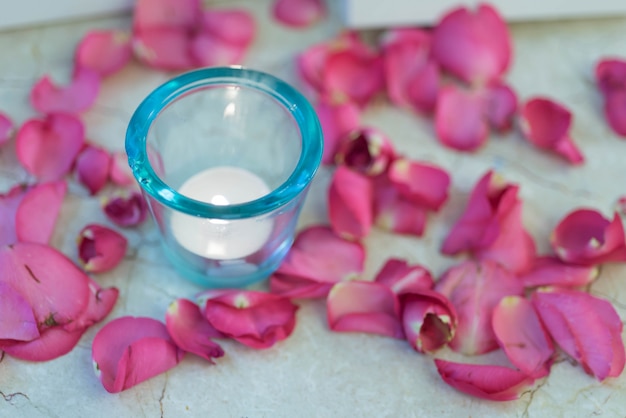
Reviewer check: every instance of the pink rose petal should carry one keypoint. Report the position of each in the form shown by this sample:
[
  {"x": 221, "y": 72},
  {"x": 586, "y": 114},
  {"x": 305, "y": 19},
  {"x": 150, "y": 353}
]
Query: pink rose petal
[
  {"x": 365, "y": 150},
  {"x": 233, "y": 26},
  {"x": 191, "y": 331},
  {"x": 550, "y": 271},
  {"x": 359, "y": 306},
  {"x": 47, "y": 148},
  {"x": 615, "y": 111},
  {"x": 209, "y": 50},
  {"x": 337, "y": 120},
  {"x": 610, "y": 75},
  {"x": 546, "y": 124},
  {"x": 17, "y": 321},
  {"x": 92, "y": 168},
  {"x": 522, "y": 336},
  {"x": 422, "y": 183},
  {"x": 6, "y": 128},
  {"x": 125, "y": 208},
  {"x": 298, "y": 13},
  {"x": 52, "y": 343},
  {"x": 79, "y": 95},
  {"x": 395, "y": 213},
  {"x": 130, "y": 350},
  {"x": 101, "y": 303},
  {"x": 350, "y": 204},
  {"x": 150, "y": 14},
  {"x": 459, "y": 118},
  {"x": 429, "y": 320},
  {"x": 164, "y": 48},
  {"x": 36, "y": 215},
  {"x": 104, "y": 51},
  {"x": 495, "y": 383},
  {"x": 100, "y": 248},
  {"x": 473, "y": 45},
  {"x": 475, "y": 289},
  {"x": 501, "y": 106},
  {"x": 119, "y": 171},
  {"x": 401, "y": 277},
  {"x": 316, "y": 261}
]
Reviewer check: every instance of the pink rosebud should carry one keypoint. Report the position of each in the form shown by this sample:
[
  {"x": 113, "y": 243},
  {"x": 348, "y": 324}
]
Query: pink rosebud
[
  {"x": 298, "y": 13},
  {"x": 350, "y": 204},
  {"x": 6, "y": 128},
  {"x": 424, "y": 184},
  {"x": 401, "y": 277},
  {"x": 100, "y": 248},
  {"x": 104, "y": 51},
  {"x": 428, "y": 318},
  {"x": 365, "y": 150},
  {"x": 92, "y": 168},
  {"x": 337, "y": 120},
  {"x": 550, "y": 271},
  {"x": 125, "y": 208},
  {"x": 79, "y": 95}
]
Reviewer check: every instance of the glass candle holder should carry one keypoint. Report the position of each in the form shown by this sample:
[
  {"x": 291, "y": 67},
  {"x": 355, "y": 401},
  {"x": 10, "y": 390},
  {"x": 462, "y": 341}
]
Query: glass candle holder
[{"x": 224, "y": 157}]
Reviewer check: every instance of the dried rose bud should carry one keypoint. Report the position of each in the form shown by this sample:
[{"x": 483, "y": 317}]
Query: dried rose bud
[
  {"x": 100, "y": 248},
  {"x": 125, "y": 208}
]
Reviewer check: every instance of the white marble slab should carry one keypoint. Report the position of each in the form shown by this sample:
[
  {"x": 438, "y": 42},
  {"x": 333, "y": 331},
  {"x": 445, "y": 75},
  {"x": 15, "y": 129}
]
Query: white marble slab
[{"x": 317, "y": 373}]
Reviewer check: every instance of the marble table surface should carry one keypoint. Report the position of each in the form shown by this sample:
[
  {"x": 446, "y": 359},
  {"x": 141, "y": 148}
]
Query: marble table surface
[{"x": 316, "y": 373}]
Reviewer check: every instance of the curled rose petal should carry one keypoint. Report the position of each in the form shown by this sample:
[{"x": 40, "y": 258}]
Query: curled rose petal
[
  {"x": 546, "y": 124},
  {"x": 256, "y": 319},
  {"x": 429, "y": 320},
  {"x": 501, "y": 106},
  {"x": 38, "y": 211},
  {"x": 475, "y": 288},
  {"x": 92, "y": 168},
  {"x": 100, "y": 248},
  {"x": 395, "y": 213},
  {"x": 316, "y": 261},
  {"x": 17, "y": 321},
  {"x": 401, "y": 277},
  {"x": 585, "y": 237},
  {"x": 191, "y": 331},
  {"x": 459, "y": 118},
  {"x": 125, "y": 208},
  {"x": 104, "y": 51},
  {"x": 166, "y": 13},
  {"x": 615, "y": 111},
  {"x": 298, "y": 13},
  {"x": 585, "y": 327},
  {"x": 130, "y": 350},
  {"x": 522, "y": 336},
  {"x": 119, "y": 171},
  {"x": 337, "y": 119},
  {"x": 365, "y": 150},
  {"x": 350, "y": 204},
  {"x": 495, "y": 383},
  {"x": 550, "y": 271},
  {"x": 473, "y": 45},
  {"x": 164, "y": 48},
  {"x": 79, "y": 95},
  {"x": 47, "y": 148},
  {"x": 425, "y": 184},
  {"x": 610, "y": 75},
  {"x": 6, "y": 128},
  {"x": 360, "y": 306}
]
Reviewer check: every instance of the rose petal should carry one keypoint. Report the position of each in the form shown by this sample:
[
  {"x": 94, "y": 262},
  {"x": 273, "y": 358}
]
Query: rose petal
[
  {"x": 495, "y": 383},
  {"x": 365, "y": 150},
  {"x": 79, "y": 95},
  {"x": 459, "y": 118},
  {"x": 473, "y": 45},
  {"x": 119, "y": 170},
  {"x": 359, "y": 306},
  {"x": 130, "y": 350},
  {"x": 298, "y": 13},
  {"x": 394, "y": 213},
  {"x": 522, "y": 336},
  {"x": 401, "y": 277},
  {"x": 100, "y": 248},
  {"x": 429, "y": 320},
  {"x": 501, "y": 106},
  {"x": 9, "y": 202},
  {"x": 36, "y": 216},
  {"x": 337, "y": 120},
  {"x": 475, "y": 288},
  {"x": 47, "y": 148},
  {"x": 610, "y": 75},
  {"x": 615, "y": 111},
  {"x": 92, "y": 168},
  {"x": 316, "y": 261},
  {"x": 585, "y": 237},
  {"x": 150, "y": 14},
  {"x": 17, "y": 321},
  {"x": 191, "y": 331},
  {"x": 52, "y": 343},
  {"x": 101, "y": 303},
  {"x": 209, "y": 50},
  {"x": 549, "y": 271},
  {"x": 233, "y": 26},
  {"x": 546, "y": 124},
  {"x": 611, "y": 320},
  {"x": 164, "y": 48},
  {"x": 104, "y": 51},
  {"x": 350, "y": 204},
  {"x": 422, "y": 183},
  {"x": 6, "y": 128},
  {"x": 125, "y": 208}
]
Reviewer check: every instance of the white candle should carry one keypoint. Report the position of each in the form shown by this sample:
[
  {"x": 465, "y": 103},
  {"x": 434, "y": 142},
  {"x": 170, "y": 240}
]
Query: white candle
[{"x": 215, "y": 238}]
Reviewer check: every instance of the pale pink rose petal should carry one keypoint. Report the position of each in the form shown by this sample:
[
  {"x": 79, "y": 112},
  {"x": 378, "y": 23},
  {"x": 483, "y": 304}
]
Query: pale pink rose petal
[
  {"x": 52, "y": 343},
  {"x": 234, "y": 26},
  {"x": 36, "y": 216},
  {"x": 610, "y": 74},
  {"x": 360, "y": 306},
  {"x": 119, "y": 171},
  {"x": 48, "y": 147},
  {"x": 92, "y": 168},
  {"x": 586, "y": 237},
  {"x": 17, "y": 320},
  {"x": 190, "y": 330},
  {"x": 164, "y": 48},
  {"x": 546, "y": 124},
  {"x": 501, "y": 106},
  {"x": 366, "y": 150},
  {"x": 6, "y": 129},
  {"x": 474, "y": 45},
  {"x": 256, "y": 319},
  {"x": 522, "y": 336},
  {"x": 337, "y": 120},
  {"x": 394, "y": 213},
  {"x": 9, "y": 203},
  {"x": 79, "y": 95},
  {"x": 429, "y": 320},
  {"x": 149, "y": 14},
  {"x": 615, "y": 111},
  {"x": 495, "y": 383},
  {"x": 104, "y": 51},
  {"x": 585, "y": 327},
  {"x": 459, "y": 118},
  {"x": 125, "y": 208},
  {"x": 350, "y": 204},
  {"x": 401, "y": 277},
  {"x": 208, "y": 50},
  {"x": 475, "y": 288},
  {"x": 100, "y": 248},
  {"x": 316, "y": 261},
  {"x": 422, "y": 183},
  {"x": 298, "y": 13},
  {"x": 550, "y": 271},
  {"x": 130, "y": 350}
]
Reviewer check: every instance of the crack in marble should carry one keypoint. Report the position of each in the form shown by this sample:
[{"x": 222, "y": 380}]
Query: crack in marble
[
  {"x": 163, "y": 394},
  {"x": 9, "y": 397},
  {"x": 532, "y": 393}
]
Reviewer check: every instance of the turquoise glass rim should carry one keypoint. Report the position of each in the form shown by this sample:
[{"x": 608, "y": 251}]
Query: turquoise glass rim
[{"x": 292, "y": 100}]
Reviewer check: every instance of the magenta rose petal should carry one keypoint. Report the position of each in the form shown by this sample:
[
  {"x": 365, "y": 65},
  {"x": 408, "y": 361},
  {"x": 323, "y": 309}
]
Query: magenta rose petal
[
  {"x": 234, "y": 26},
  {"x": 101, "y": 303},
  {"x": 615, "y": 111},
  {"x": 47, "y": 148},
  {"x": 125, "y": 208},
  {"x": 298, "y": 13},
  {"x": 425, "y": 184},
  {"x": 610, "y": 74},
  {"x": 501, "y": 106},
  {"x": 316, "y": 261},
  {"x": 166, "y": 13},
  {"x": 77, "y": 96},
  {"x": 459, "y": 118},
  {"x": 190, "y": 330},
  {"x": 6, "y": 128},
  {"x": 350, "y": 204},
  {"x": 365, "y": 150},
  {"x": 475, "y": 288},
  {"x": 17, "y": 321},
  {"x": 495, "y": 383},
  {"x": 130, "y": 350},
  {"x": 428, "y": 318},
  {"x": 394, "y": 213},
  {"x": 475, "y": 45},
  {"x": 100, "y": 248},
  {"x": 337, "y": 120},
  {"x": 104, "y": 51},
  {"x": 401, "y": 277},
  {"x": 164, "y": 48},
  {"x": 360, "y": 306},
  {"x": 36, "y": 215},
  {"x": 52, "y": 343},
  {"x": 522, "y": 336},
  {"x": 92, "y": 168},
  {"x": 550, "y": 271},
  {"x": 586, "y": 237}
]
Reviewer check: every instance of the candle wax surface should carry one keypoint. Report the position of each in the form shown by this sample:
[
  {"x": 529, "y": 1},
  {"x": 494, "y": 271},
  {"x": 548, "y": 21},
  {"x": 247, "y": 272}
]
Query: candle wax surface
[{"x": 220, "y": 239}]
